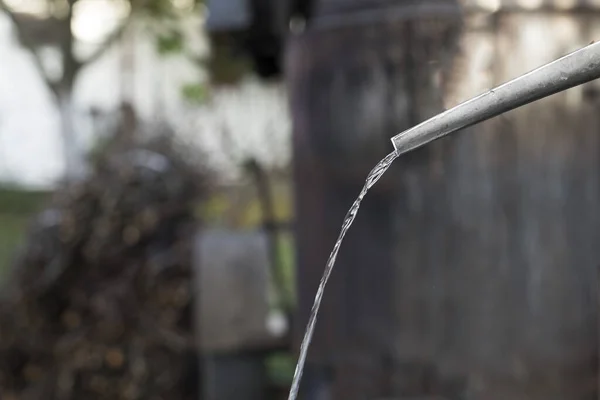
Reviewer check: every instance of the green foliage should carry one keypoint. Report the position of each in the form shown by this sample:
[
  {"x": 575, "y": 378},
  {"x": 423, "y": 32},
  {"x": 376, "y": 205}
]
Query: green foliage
[
  {"x": 287, "y": 263},
  {"x": 19, "y": 201},
  {"x": 195, "y": 93},
  {"x": 170, "y": 42},
  {"x": 16, "y": 208},
  {"x": 159, "y": 9},
  {"x": 12, "y": 232},
  {"x": 165, "y": 17},
  {"x": 280, "y": 368}
]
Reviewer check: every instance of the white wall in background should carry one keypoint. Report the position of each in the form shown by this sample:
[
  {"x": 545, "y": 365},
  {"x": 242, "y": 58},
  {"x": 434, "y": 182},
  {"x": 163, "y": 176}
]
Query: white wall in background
[{"x": 30, "y": 148}]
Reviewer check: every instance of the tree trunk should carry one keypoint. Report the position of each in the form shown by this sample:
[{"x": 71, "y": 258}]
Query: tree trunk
[{"x": 72, "y": 153}]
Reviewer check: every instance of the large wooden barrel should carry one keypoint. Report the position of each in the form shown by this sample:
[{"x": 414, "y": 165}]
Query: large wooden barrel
[{"x": 471, "y": 271}]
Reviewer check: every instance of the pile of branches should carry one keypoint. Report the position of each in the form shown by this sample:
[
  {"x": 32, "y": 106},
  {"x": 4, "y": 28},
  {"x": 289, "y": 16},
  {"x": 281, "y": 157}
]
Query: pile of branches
[{"x": 99, "y": 302}]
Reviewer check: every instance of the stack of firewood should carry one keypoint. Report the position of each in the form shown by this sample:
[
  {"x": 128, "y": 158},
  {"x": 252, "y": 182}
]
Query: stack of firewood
[{"x": 99, "y": 302}]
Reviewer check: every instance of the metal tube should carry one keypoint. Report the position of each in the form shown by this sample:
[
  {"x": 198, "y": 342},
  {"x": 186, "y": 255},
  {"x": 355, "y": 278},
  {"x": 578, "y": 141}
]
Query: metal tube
[{"x": 571, "y": 70}]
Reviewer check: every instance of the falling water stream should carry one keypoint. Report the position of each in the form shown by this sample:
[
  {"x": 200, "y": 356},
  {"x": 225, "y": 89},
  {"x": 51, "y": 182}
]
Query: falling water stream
[{"x": 372, "y": 178}]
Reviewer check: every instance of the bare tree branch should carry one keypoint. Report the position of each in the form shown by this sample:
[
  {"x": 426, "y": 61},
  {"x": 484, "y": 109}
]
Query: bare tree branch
[{"x": 28, "y": 43}]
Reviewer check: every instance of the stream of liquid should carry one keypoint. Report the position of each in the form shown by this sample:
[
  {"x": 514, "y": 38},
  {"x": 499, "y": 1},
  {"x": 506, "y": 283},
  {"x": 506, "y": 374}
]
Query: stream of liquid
[{"x": 372, "y": 178}]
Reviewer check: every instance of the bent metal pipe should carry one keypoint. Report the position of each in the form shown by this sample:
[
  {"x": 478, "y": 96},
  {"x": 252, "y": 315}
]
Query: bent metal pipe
[{"x": 569, "y": 71}]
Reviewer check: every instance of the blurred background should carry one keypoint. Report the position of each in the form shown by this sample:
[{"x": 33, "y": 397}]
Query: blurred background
[{"x": 174, "y": 173}]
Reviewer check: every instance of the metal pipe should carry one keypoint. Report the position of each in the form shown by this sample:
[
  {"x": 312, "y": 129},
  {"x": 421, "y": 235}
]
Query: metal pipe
[{"x": 569, "y": 71}]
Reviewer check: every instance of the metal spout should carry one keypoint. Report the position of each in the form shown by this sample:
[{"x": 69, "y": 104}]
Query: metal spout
[{"x": 569, "y": 71}]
